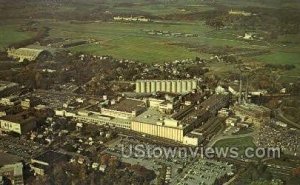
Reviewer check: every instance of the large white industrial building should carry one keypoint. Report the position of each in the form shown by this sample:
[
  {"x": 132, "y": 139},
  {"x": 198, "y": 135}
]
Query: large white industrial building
[{"x": 173, "y": 86}]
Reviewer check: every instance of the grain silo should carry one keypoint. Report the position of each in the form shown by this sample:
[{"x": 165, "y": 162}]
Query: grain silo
[
  {"x": 189, "y": 85},
  {"x": 168, "y": 86},
  {"x": 138, "y": 86},
  {"x": 158, "y": 85},
  {"x": 153, "y": 86},
  {"x": 179, "y": 89},
  {"x": 194, "y": 84},
  {"x": 163, "y": 86},
  {"x": 143, "y": 86},
  {"x": 174, "y": 86},
  {"x": 148, "y": 86},
  {"x": 184, "y": 86}
]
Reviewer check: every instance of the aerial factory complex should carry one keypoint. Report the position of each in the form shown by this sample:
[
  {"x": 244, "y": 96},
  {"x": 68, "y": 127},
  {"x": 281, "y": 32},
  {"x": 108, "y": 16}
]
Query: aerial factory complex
[{"x": 150, "y": 92}]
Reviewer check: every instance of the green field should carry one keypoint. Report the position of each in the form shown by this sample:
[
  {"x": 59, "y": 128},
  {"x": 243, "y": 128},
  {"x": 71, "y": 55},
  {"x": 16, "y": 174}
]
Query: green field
[
  {"x": 10, "y": 34},
  {"x": 240, "y": 143},
  {"x": 260, "y": 3},
  {"x": 128, "y": 40},
  {"x": 131, "y": 41},
  {"x": 280, "y": 57},
  {"x": 160, "y": 9}
]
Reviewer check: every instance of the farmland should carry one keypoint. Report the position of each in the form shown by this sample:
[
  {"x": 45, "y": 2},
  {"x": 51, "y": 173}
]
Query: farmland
[
  {"x": 128, "y": 40},
  {"x": 92, "y": 21},
  {"x": 10, "y": 34}
]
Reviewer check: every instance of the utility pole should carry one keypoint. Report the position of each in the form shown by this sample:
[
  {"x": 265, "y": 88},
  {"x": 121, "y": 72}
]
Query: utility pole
[
  {"x": 241, "y": 86},
  {"x": 240, "y": 89},
  {"x": 247, "y": 84}
]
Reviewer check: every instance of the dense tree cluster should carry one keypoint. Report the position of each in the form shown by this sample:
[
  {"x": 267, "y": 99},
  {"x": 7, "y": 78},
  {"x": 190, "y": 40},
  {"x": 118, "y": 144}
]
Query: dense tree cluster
[
  {"x": 94, "y": 75},
  {"x": 280, "y": 66},
  {"x": 255, "y": 172},
  {"x": 117, "y": 173}
]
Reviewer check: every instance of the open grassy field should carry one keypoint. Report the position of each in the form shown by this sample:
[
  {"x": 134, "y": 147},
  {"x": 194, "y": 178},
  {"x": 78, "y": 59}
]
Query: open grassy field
[
  {"x": 280, "y": 57},
  {"x": 261, "y": 3},
  {"x": 124, "y": 40},
  {"x": 130, "y": 41},
  {"x": 127, "y": 40},
  {"x": 9, "y": 34},
  {"x": 160, "y": 9},
  {"x": 240, "y": 143}
]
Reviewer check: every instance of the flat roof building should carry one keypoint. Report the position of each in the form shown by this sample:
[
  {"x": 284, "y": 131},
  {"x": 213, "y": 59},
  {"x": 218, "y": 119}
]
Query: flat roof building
[
  {"x": 27, "y": 53},
  {"x": 154, "y": 123},
  {"x": 19, "y": 123},
  {"x": 253, "y": 113},
  {"x": 172, "y": 86},
  {"x": 44, "y": 162},
  {"x": 125, "y": 108},
  {"x": 8, "y": 88},
  {"x": 11, "y": 168}
]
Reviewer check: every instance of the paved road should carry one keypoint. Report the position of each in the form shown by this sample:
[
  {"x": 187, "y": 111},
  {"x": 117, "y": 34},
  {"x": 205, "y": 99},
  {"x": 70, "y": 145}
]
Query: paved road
[{"x": 279, "y": 115}]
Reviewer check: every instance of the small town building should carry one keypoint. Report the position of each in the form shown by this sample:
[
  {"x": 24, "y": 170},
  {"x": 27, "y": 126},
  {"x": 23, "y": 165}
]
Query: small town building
[
  {"x": 20, "y": 123},
  {"x": 46, "y": 161},
  {"x": 11, "y": 169},
  {"x": 29, "y": 54}
]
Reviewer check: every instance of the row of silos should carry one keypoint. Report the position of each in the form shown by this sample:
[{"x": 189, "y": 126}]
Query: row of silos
[{"x": 173, "y": 86}]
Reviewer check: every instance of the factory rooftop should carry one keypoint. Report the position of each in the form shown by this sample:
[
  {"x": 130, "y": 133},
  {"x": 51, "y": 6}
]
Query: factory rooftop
[
  {"x": 151, "y": 116},
  {"x": 6, "y": 159},
  {"x": 127, "y": 105},
  {"x": 157, "y": 80},
  {"x": 50, "y": 157},
  {"x": 5, "y": 84},
  {"x": 254, "y": 107},
  {"x": 213, "y": 100},
  {"x": 22, "y": 118},
  {"x": 26, "y": 51},
  {"x": 194, "y": 97}
]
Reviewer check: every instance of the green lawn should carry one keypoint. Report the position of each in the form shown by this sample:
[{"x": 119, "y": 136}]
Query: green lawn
[
  {"x": 128, "y": 40},
  {"x": 240, "y": 143},
  {"x": 140, "y": 48},
  {"x": 279, "y": 57},
  {"x": 161, "y": 9},
  {"x": 10, "y": 34}
]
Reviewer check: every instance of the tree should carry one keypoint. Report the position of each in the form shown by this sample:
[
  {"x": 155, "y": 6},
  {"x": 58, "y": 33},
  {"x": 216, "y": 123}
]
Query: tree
[
  {"x": 44, "y": 180},
  {"x": 113, "y": 162},
  {"x": 104, "y": 159},
  {"x": 296, "y": 171},
  {"x": 59, "y": 175}
]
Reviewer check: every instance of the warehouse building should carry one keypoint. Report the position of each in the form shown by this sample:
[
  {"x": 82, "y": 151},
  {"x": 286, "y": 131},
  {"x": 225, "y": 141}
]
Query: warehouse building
[
  {"x": 172, "y": 86},
  {"x": 46, "y": 161},
  {"x": 92, "y": 118},
  {"x": 11, "y": 169},
  {"x": 8, "y": 88},
  {"x": 124, "y": 108},
  {"x": 252, "y": 113},
  {"x": 27, "y": 53},
  {"x": 20, "y": 123},
  {"x": 155, "y": 116},
  {"x": 152, "y": 122}
]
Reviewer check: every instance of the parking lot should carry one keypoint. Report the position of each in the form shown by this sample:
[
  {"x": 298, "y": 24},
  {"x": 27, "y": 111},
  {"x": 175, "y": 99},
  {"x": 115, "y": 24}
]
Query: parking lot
[{"x": 204, "y": 172}]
